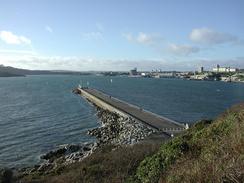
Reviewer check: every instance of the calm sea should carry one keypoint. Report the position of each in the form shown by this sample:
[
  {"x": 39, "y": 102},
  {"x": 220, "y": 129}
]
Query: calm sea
[{"x": 40, "y": 113}]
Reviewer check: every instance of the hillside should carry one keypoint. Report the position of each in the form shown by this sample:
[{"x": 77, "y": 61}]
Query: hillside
[
  {"x": 6, "y": 71},
  {"x": 210, "y": 151},
  {"x": 7, "y": 74}
]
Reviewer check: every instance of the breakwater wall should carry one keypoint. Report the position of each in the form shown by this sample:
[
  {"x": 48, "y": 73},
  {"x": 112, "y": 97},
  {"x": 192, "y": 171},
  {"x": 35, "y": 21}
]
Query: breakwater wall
[
  {"x": 100, "y": 103},
  {"x": 125, "y": 109}
]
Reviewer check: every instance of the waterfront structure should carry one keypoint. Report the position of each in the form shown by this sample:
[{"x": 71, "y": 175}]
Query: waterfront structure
[
  {"x": 145, "y": 74},
  {"x": 160, "y": 123},
  {"x": 224, "y": 69},
  {"x": 199, "y": 76},
  {"x": 226, "y": 78},
  {"x": 238, "y": 77},
  {"x": 201, "y": 70},
  {"x": 133, "y": 72},
  {"x": 165, "y": 75}
]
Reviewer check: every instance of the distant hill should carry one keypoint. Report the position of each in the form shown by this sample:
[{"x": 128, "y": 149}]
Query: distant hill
[
  {"x": 7, "y": 71},
  {"x": 7, "y": 74}
]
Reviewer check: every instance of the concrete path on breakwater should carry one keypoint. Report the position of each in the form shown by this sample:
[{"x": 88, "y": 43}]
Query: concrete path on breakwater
[{"x": 113, "y": 104}]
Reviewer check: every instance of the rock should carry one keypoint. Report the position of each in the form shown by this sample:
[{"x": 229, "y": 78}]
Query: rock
[
  {"x": 86, "y": 148},
  {"x": 54, "y": 154},
  {"x": 73, "y": 148},
  {"x": 76, "y": 91},
  {"x": 35, "y": 168},
  {"x": 119, "y": 130},
  {"x": 45, "y": 167},
  {"x": 6, "y": 175},
  {"x": 115, "y": 130}
]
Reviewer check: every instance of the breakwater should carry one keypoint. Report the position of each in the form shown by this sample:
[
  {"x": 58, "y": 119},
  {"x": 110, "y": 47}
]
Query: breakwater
[
  {"x": 119, "y": 130},
  {"x": 116, "y": 128},
  {"x": 121, "y": 124},
  {"x": 125, "y": 109}
]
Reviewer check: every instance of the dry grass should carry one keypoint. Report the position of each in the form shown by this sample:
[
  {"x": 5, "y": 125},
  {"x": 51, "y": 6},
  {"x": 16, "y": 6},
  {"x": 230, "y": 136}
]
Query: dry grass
[
  {"x": 221, "y": 158},
  {"x": 107, "y": 165}
]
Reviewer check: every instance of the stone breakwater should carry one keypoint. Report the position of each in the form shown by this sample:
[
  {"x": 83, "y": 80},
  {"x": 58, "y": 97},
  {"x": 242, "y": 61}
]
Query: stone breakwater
[
  {"x": 119, "y": 130},
  {"x": 114, "y": 130},
  {"x": 60, "y": 157}
]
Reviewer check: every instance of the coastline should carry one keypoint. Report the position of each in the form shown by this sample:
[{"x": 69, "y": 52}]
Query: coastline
[
  {"x": 72, "y": 153},
  {"x": 114, "y": 129},
  {"x": 150, "y": 162},
  {"x": 83, "y": 161}
]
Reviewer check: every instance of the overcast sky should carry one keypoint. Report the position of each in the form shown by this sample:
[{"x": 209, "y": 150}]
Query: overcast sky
[{"x": 121, "y": 34}]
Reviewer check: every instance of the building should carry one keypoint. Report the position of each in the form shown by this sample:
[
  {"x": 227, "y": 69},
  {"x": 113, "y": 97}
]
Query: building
[
  {"x": 241, "y": 70},
  {"x": 165, "y": 75},
  {"x": 224, "y": 69},
  {"x": 199, "y": 76},
  {"x": 201, "y": 70},
  {"x": 133, "y": 72},
  {"x": 145, "y": 74}
]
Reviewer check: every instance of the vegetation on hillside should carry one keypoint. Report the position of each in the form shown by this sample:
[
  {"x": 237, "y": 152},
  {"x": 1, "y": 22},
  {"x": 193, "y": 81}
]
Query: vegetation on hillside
[
  {"x": 205, "y": 153},
  {"x": 108, "y": 164}
]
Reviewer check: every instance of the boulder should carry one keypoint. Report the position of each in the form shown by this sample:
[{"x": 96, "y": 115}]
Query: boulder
[{"x": 54, "y": 154}]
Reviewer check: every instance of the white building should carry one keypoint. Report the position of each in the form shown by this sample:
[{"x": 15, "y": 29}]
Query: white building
[
  {"x": 165, "y": 74},
  {"x": 224, "y": 69}
]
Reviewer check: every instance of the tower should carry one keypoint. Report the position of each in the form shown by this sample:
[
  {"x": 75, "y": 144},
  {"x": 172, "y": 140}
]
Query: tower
[
  {"x": 218, "y": 67},
  {"x": 201, "y": 69}
]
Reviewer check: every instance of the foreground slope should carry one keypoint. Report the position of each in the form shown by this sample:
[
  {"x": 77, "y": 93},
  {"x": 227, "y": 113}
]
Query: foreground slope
[{"x": 208, "y": 152}]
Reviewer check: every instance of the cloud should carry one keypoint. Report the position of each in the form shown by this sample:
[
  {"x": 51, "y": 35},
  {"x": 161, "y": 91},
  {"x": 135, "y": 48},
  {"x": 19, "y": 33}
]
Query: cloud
[
  {"x": 182, "y": 49},
  {"x": 24, "y": 59},
  {"x": 143, "y": 38},
  {"x": 78, "y": 64},
  {"x": 48, "y": 29},
  {"x": 100, "y": 27},
  {"x": 98, "y": 34},
  {"x": 10, "y": 38},
  {"x": 92, "y": 36},
  {"x": 16, "y": 52},
  {"x": 211, "y": 37}
]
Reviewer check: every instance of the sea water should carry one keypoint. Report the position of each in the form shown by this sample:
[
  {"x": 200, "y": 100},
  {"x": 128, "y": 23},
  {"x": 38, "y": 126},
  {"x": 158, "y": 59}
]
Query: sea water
[{"x": 40, "y": 113}]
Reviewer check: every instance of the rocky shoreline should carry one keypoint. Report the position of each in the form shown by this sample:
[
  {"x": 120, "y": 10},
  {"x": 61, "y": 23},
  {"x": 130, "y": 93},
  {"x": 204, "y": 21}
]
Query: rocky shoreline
[
  {"x": 119, "y": 130},
  {"x": 115, "y": 130}
]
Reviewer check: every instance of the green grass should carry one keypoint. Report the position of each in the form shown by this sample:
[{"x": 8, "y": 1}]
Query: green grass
[{"x": 206, "y": 153}]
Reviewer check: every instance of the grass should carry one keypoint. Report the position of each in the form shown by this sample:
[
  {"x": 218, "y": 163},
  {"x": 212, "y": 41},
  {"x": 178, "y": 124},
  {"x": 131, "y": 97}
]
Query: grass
[
  {"x": 106, "y": 165},
  {"x": 208, "y": 152}
]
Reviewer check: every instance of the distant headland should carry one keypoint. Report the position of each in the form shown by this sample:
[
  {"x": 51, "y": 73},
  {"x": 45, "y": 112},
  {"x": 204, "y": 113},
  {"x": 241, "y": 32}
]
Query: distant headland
[{"x": 7, "y": 71}]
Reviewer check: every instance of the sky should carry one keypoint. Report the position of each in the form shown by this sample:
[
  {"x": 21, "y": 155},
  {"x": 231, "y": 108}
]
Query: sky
[{"x": 84, "y": 35}]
